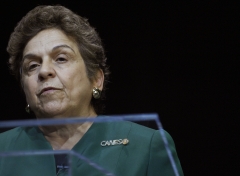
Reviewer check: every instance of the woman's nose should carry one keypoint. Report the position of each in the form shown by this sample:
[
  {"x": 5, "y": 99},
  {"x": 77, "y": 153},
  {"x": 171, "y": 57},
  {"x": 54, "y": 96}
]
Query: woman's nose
[{"x": 46, "y": 70}]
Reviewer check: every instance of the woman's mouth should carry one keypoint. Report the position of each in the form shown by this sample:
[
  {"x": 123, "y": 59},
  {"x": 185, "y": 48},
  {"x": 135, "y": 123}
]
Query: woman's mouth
[{"x": 48, "y": 90}]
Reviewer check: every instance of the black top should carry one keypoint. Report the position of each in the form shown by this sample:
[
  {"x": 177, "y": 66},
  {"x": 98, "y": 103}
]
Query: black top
[{"x": 61, "y": 161}]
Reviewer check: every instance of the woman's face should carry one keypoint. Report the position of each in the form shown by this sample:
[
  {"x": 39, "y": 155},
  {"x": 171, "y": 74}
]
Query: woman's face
[{"x": 54, "y": 76}]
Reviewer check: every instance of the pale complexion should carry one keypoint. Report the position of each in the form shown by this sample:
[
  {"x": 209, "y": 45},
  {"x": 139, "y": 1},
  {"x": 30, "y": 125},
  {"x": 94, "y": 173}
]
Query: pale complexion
[{"x": 56, "y": 85}]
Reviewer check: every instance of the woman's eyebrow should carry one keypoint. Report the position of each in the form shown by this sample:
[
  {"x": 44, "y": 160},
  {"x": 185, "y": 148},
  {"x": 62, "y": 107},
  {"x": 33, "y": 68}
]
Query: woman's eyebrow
[
  {"x": 30, "y": 55},
  {"x": 27, "y": 56},
  {"x": 62, "y": 46}
]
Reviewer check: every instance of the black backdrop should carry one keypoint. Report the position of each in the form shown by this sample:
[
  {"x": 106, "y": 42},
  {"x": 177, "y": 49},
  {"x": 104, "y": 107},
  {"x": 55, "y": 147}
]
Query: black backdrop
[{"x": 180, "y": 60}]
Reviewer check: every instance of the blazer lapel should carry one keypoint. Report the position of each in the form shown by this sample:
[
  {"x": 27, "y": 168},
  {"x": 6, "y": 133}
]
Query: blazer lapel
[{"x": 104, "y": 156}]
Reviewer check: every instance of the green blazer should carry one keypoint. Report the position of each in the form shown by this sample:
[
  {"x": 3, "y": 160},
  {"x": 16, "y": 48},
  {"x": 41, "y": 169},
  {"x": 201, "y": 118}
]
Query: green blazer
[{"x": 143, "y": 155}]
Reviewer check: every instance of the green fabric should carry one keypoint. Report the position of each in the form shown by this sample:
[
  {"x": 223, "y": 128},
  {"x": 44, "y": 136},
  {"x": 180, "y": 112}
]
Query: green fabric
[{"x": 144, "y": 155}]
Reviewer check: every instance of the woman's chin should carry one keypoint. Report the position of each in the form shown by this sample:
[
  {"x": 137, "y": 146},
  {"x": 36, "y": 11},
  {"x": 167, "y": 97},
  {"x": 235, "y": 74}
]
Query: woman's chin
[{"x": 51, "y": 112}]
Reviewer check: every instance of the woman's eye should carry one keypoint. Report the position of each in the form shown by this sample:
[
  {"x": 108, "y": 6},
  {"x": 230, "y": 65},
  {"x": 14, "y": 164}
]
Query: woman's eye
[
  {"x": 32, "y": 67},
  {"x": 61, "y": 59}
]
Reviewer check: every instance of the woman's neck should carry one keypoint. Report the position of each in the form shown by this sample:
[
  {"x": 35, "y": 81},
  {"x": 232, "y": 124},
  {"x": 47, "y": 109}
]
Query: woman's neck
[{"x": 64, "y": 137}]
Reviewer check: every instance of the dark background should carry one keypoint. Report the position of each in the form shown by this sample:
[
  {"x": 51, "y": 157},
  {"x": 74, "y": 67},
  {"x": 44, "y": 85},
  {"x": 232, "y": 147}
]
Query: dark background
[{"x": 180, "y": 60}]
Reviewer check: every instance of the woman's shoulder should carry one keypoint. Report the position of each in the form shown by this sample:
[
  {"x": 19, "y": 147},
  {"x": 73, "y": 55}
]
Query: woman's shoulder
[
  {"x": 137, "y": 128},
  {"x": 133, "y": 130},
  {"x": 149, "y": 133},
  {"x": 145, "y": 146},
  {"x": 18, "y": 134},
  {"x": 11, "y": 133},
  {"x": 17, "y": 131}
]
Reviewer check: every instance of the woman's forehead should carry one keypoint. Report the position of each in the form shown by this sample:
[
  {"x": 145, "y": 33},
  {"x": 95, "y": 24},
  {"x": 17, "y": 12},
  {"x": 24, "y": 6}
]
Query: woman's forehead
[{"x": 47, "y": 40}]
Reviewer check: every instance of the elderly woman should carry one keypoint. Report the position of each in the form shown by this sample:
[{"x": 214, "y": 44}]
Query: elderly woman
[{"x": 60, "y": 62}]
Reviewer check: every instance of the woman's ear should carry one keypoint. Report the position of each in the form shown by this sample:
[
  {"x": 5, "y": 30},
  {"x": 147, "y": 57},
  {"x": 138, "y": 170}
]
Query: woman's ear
[{"x": 99, "y": 79}]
